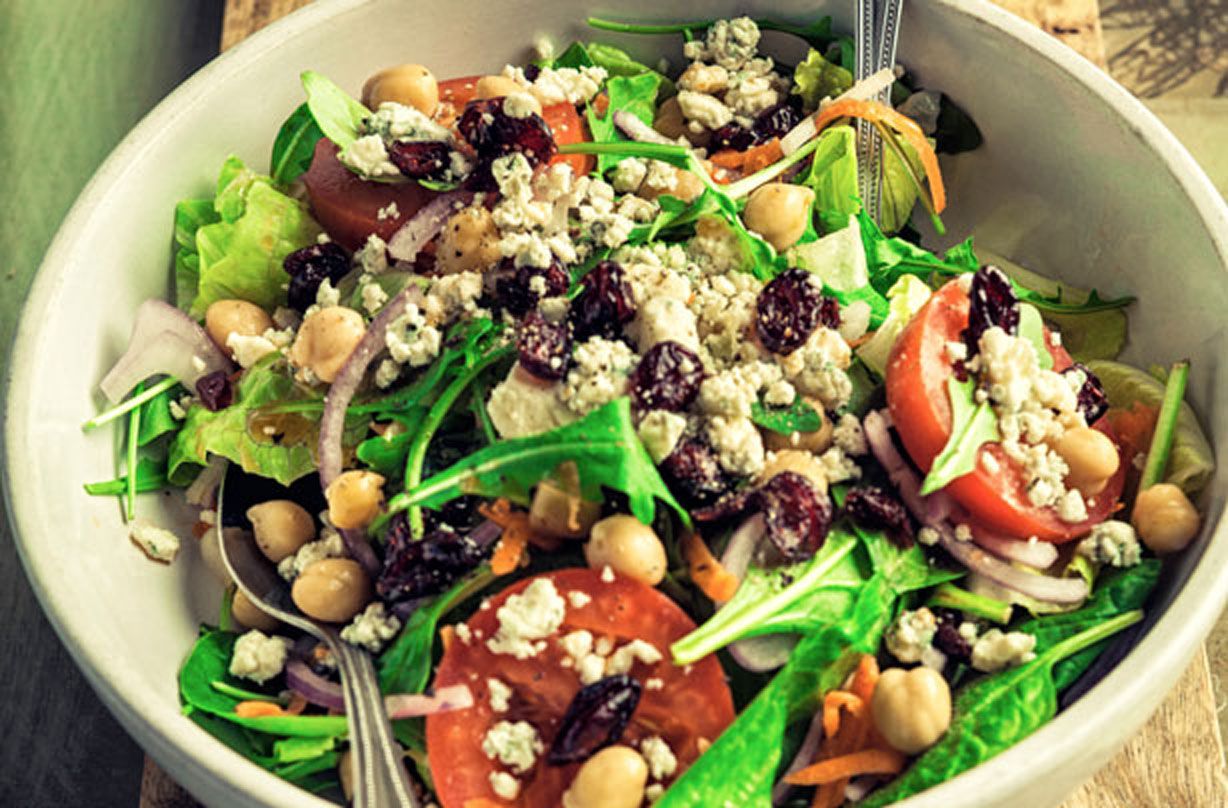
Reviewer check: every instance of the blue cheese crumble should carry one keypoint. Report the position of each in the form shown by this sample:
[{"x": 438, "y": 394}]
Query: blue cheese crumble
[{"x": 258, "y": 657}]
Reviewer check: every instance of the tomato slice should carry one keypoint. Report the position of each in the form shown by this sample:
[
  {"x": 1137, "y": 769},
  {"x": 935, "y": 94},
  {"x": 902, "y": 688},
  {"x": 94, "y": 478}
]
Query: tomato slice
[
  {"x": 917, "y": 374},
  {"x": 693, "y": 705},
  {"x": 348, "y": 207}
]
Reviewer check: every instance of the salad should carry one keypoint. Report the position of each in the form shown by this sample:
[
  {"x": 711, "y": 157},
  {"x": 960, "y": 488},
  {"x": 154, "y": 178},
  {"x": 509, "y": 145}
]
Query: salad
[{"x": 652, "y": 470}]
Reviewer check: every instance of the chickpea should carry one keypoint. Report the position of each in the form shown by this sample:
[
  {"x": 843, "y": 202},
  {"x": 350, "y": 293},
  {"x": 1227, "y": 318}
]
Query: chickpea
[
  {"x": 803, "y": 463},
  {"x": 411, "y": 85},
  {"x": 615, "y": 777},
  {"x": 911, "y": 708},
  {"x": 226, "y": 317},
  {"x": 502, "y": 87},
  {"x": 211, "y": 554},
  {"x": 779, "y": 211},
  {"x": 281, "y": 527},
  {"x": 248, "y": 614},
  {"x": 469, "y": 242},
  {"x": 1092, "y": 457},
  {"x": 670, "y": 122},
  {"x": 557, "y": 509},
  {"x": 689, "y": 186},
  {"x": 1165, "y": 518},
  {"x": 332, "y": 589},
  {"x": 818, "y": 441},
  {"x": 628, "y": 546},
  {"x": 326, "y": 339},
  {"x": 354, "y": 499}
]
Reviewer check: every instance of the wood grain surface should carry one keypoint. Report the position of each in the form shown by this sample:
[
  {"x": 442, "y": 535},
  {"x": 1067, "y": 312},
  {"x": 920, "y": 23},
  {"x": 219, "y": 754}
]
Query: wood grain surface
[{"x": 1177, "y": 759}]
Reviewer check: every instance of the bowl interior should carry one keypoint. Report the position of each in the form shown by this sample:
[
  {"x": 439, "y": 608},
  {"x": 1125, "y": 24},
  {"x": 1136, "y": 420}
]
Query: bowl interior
[{"x": 1075, "y": 180}]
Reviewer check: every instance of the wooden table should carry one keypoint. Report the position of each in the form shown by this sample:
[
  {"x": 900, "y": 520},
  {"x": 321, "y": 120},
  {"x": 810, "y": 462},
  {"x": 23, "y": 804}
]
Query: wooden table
[{"x": 1177, "y": 759}]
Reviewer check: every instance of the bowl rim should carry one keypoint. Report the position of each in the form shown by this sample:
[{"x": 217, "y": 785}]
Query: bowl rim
[{"x": 160, "y": 733}]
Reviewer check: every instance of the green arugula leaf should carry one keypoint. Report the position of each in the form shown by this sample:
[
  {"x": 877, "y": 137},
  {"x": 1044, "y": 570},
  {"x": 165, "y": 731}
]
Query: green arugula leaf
[
  {"x": 156, "y": 418},
  {"x": 227, "y": 432},
  {"x": 636, "y": 94},
  {"x": 385, "y": 454},
  {"x": 797, "y": 417},
  {"x": 294, "y": 146},
  {"x": 603, "y": 444},
  {"x": 406, "y": 666},
  {"x": 994, "y": 713},
  {"x": 815, "y": 78},
  {"x": 833, "y": 178},
  {"x": 150, "y": 476},
  {"x": 972, "y": 425},
  {"x": 337, "y": 114},
  {"x": 295, "y": 749},
  {"x": 576, "y": 56}
]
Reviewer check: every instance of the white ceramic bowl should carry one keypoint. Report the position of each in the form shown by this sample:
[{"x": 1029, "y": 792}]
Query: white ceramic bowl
[{"x": 1075, "y": 178}]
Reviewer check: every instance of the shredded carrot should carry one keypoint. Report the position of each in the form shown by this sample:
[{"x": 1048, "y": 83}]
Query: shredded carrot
[
  {"x": 601, "y": 104},
  {"x": 706, "y": 571},
  {"x": 517, "y": 534},
  {"x": 447, "y": 635},
  {"x": 832, "y": 703},
  {"x": 749, "y": 161},
  {"x": 875, "y": 111},
  {"x": 865, "y": 679},
  {"x": 845, "y": 767},
  {"x": 258, "y": 709}
]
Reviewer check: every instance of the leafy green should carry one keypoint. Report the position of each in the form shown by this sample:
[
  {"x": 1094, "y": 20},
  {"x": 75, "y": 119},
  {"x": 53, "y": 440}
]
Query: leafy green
[
  {"x": 838, "y": 259},
  {"x": 616, "y": 61},
  {"x": 901, "y": 183},
  {"x": 228, "y": 432},
  {"x": 150, "y": 476},
  {"x": 1165, "y": 430},
  {"x": 832, "y": 176},
  {"x": 636, "y": 94},
  {"x": 385, "y": 454},
  {"x": 815, "y": 78},
  {"x": 742, "y": 763},
  {"x": 817, "y": 33},
  {"x": 1032, "y": 328},
  {"x": 337, "y": 114},
  {"x": 972, "y": 426},
  {"x": 905, "y": 298},
  {"x": 1119, "y": 591},
  {"x": 295, "y": 749},
  {"x": 406, "y": 666},
  {"x": 603, "y": 444},
  {"x": 209, "y": 662},
  {"x": 949, "y": 596},
  {"x": 1192, "y": 460},
  {"x": 190, "y": 216},
  {"x": 797, "y": 417},
  {"x": 240, "y": 256},
  {"x": 994, "y": 713},
  {"x": 294, "y": 146},
  {"x": 156, "y": 418}
]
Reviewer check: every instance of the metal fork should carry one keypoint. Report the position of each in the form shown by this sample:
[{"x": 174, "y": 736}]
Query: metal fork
[
  {"x": 380, "y": 778},
  {"x": 877, "y": 36}
]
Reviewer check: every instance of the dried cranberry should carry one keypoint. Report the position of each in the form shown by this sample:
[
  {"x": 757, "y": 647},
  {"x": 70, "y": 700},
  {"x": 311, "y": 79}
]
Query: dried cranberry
[
  {"x": 605, "y": 303},
  {"x": 309, "y": 267},
  {"x": 425, "y": 160},
  {"x": 789, "y": 309},
  {"x": 493, "y": 133},
  {"x": 733, "y": 136},
  {"x": 947, "y": 638},
  {"x": 777, "y": 121},
  {"x": 667, "y": 378},
  {"x": 1093, "y": 401},
  {"x": 214, "y": 390},
  {"x": 797, "y": 514},
  {"x": 877, "y": 509},
  {"x": 532, "y": 72},
  {"x": 693, "y": 473},
  {"x": 993, "y": 303},
  {"x": 735, "y": 503},
  {"x": 595, "y": 719},
  {"x": 416, "y": 567},
  {"x": 518, "y": 290},
  {"x": 544, "y": 347}
]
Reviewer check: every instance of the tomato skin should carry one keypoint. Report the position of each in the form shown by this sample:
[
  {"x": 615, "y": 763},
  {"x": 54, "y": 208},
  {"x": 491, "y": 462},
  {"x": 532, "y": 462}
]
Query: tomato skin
[
  {"x": 692, "y": 705},
  {"x": 348, "y": 207},
  {"x": 917, "y": 374}
]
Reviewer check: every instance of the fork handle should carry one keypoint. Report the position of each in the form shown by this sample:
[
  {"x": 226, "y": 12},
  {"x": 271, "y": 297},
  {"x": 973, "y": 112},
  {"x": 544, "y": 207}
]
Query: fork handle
[{"x": 380, "y": 778}]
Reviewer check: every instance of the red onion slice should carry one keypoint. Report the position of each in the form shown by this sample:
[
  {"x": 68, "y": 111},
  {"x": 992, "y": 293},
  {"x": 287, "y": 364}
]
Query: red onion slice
[
  {"x": 423, "y": 225},
  {"x": 637, "y": 130},
  {"x": 313, "y": 687},
  {"x": 164, "y": 340},
  {"x": 1038, "y": 554},
  {"x": 201, "y": 491},
  {"x": 928, "y": 509},
  {"x": 445, "y": 700},
  {"x": 1041, "y": 587},
  {"x": 764, "y": 653},
  {"x": 742, "y": 544},
  {"x": 806, "y": 753}
]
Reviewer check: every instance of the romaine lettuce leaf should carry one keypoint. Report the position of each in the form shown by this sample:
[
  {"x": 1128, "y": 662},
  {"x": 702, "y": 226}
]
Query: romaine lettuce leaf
[
  {"x": 833, "y": 178},
  {"x": 907, "y": 296},
  {"x": 816, "y": 78}
]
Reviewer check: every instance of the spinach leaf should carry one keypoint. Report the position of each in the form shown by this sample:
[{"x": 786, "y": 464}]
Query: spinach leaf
[
  {"x": 209, "y": 662},
  {"x": 227, "y": 432},
  {"x": 576, "y": 56},
  {"x": 246, "y": 742},
  {"x": 603, "y": 444},
  {"x": 816, "y": 78},
  {"x": 294, "y": 146},
  {"x": 150, "y": 476},
  {"x": 832, "y": 176},
  {"x": 741, "y": 765},
  {"x": 406, "y": 666},
  {"x": 156, "y": 418},
  {"x": 994, "y": 713},
  {"x": 904, "y": 569},
  {"x": 337, "y": 114},
  {"x": 295, "y": 749},
  {"x": 972, "y": 426},
  {"x": 636, "y": 94},
  {"x": 797, "y": 417}
]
